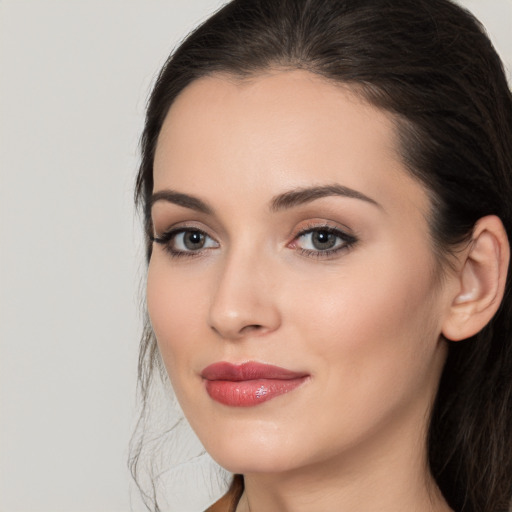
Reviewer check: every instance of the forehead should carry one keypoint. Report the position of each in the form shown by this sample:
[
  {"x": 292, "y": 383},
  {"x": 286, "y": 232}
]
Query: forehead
[{"x": 279, "y": 130}]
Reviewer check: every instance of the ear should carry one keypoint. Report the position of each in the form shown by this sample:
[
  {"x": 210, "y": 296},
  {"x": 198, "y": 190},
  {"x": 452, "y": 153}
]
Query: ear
[{"x": 480, "y": 280}]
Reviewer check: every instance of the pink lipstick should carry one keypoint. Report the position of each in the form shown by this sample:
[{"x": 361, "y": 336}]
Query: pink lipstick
[{"x": 250, "y": 383}]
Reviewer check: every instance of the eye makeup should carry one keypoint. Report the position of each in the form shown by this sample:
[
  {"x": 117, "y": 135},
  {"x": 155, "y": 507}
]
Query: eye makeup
[
  {"x": 315, "y": 241},
  {"x": 322, "y": 241},
  {"x": 185, "y": 241}
]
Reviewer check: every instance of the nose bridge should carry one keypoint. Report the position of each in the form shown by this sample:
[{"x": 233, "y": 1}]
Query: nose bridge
[{"x": 242, "y": 302}]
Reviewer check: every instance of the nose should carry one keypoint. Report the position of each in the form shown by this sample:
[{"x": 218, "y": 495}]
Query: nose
[{"x": 244, "y": 303}]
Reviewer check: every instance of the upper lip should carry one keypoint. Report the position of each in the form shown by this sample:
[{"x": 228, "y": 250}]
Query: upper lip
[{"x": 248, "y": 371}]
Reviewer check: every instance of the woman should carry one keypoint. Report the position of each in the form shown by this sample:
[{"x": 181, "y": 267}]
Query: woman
[{"x": 325, "y": 187}]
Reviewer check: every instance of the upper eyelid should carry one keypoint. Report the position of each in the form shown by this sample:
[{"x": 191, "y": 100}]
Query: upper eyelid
[
  {"x": 347, "y": 237},
  {"x": 168, "y": 239},
  {"x": 181, "y": 226},
  {"x": 296, "y": 232},
  {"x": 326, "y": 225},
  {"x": 174, "y": 231}
]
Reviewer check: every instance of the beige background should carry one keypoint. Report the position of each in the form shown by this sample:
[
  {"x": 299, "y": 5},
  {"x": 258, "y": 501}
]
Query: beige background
[{"x": 74, "y": 77}]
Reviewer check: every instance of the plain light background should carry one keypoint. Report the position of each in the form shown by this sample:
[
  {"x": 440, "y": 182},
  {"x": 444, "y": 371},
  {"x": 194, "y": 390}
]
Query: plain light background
[{"x": 74, "y": 78}]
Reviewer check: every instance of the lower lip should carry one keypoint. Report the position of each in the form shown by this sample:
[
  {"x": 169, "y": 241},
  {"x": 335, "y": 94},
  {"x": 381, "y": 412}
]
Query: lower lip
[{"x": 247, "y": 393}]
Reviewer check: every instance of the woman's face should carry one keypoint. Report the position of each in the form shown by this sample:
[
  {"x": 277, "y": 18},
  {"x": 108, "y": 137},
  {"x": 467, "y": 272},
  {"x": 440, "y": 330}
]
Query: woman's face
[{"x": 290, "y": 235}]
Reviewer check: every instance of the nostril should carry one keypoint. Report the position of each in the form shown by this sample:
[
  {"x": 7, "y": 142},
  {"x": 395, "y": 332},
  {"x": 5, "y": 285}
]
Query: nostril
[
  {"x": 251, "y": 328},
  {"x": 237, "y": 311},
  {"x": 237, "y": 333}
]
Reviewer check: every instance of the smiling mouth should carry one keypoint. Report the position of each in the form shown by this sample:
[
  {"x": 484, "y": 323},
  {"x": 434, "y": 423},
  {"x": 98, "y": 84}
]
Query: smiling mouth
[{"x": 249, "y": 384}]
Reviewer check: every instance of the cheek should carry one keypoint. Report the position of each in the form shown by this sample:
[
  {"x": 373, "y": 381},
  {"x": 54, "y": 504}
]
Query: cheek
[
  {"x": 378, "y": 320},
  {"x": 175, "y": 303},
  {"x": 371, "y": 337}
]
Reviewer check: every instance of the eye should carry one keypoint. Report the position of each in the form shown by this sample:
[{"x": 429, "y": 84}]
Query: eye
[
  {"x": 191, "y": 241},
  {"x": 323, "y": 241},
  {"x": 185, "y": 241},
  {"x": 320, "y": 240}
]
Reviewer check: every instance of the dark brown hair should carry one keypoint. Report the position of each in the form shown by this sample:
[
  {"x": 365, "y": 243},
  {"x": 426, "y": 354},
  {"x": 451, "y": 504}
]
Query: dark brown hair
[{"x": 429, "y": 64}]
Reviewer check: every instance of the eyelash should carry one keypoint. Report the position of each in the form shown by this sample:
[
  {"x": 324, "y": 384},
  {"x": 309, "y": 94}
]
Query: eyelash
[
  {"x": 348, "y": 241},
  {"x": 168, "y": 237}
]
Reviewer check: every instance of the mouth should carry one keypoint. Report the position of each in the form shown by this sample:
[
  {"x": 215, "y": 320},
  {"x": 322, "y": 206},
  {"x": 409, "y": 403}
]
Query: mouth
[{"x": 250, "y": 383}]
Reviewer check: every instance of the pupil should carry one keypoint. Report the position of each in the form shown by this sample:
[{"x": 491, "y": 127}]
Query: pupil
[
  {"x": 194, "y": 240},
  {"x": 323, "y": 240}
]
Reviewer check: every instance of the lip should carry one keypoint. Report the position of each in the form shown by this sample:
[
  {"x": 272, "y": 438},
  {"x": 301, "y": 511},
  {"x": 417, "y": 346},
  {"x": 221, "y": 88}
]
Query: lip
[{"x": 250, "y": 383}]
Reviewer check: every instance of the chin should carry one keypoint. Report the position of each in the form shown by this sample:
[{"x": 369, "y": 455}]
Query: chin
[
  {"x": 245, "y": 463},
  {"x": 252, "y": 450}
]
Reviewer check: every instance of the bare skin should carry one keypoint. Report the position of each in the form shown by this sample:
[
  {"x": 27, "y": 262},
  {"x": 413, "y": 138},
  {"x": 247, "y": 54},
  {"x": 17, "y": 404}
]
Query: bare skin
[{"x": 361, "y": 315}]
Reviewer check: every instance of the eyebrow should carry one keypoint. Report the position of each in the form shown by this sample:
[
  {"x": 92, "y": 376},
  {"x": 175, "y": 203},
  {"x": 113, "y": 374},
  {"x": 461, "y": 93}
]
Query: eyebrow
[
  {"x": 306, "y": 195},
  {"x": 180, "y": 199},
  {"x": 283, "y": 201}
]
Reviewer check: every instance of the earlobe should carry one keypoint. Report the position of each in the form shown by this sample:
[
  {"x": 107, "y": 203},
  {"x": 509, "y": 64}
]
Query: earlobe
[{"x": 480, "y": 280}]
